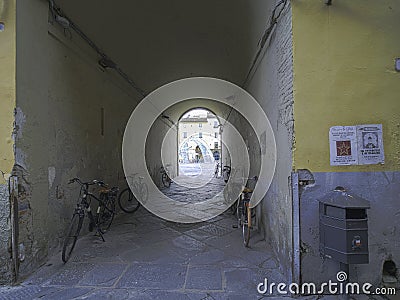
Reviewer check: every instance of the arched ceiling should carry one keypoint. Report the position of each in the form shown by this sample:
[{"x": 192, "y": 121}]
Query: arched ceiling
[{"x": 158, "y": 41}]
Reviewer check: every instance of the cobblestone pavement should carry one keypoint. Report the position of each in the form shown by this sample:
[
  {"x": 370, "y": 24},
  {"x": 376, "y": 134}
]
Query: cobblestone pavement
[{"x": 145, "y": 257}]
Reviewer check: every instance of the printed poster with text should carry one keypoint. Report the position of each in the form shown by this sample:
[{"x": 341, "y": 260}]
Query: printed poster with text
[
  {"x": 343, "y": 145},
  {"x": 370, "y": 144},
  {"x": 356, "y": 145}
]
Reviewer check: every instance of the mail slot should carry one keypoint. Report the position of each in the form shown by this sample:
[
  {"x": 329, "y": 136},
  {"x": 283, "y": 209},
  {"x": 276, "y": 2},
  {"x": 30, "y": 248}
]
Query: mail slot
[{"x": 343, "y": 227}]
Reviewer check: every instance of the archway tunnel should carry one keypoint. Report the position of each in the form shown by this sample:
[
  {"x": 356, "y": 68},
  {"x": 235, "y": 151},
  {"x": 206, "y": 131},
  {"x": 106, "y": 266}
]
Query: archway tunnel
[
  {"x": 82, "y": 69},
  {"x": 95, "y": 89}
]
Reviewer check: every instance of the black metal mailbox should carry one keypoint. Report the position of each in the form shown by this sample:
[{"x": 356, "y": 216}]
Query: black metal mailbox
[{"x": 343, "y": 227}]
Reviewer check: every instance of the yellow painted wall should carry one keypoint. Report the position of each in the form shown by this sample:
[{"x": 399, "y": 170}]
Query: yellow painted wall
[
  {"x": 7, "y": 85},
  {"x": 344, "y": 75}
]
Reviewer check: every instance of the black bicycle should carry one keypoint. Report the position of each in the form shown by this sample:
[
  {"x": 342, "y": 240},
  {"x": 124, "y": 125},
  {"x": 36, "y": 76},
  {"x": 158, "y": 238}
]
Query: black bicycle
[
  {"x": 165, "y": 179},
  {"x": 226, "y": 173},
  {"x": 102, "y": 219},
  {"x": 127, "y": 201}
]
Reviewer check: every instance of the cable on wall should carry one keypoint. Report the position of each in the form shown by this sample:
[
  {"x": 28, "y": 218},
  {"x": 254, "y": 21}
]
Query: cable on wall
[
  {"x": 267, "y": 33},
  {"x": 105, "y": 61}
]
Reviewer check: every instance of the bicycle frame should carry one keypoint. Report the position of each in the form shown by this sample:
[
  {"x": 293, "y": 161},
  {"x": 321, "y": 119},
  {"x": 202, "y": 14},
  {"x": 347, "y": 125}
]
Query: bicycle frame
[
  {"x": 83, "y": 195},
  {"x": 85, "y": 199},
  {"x": 244, "y": 212},
  {"x": 82, "y": 206}
]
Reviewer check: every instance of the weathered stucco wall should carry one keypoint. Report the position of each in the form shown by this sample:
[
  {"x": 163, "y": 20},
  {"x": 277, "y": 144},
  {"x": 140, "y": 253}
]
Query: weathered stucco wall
[
  {"x": 71, "y": 115},
  {"x": 7, "y": 102},
  {"x": 6, "y": 272},
  {"x": 272, "y": 86},
  {"x": 344, "y": 75}
]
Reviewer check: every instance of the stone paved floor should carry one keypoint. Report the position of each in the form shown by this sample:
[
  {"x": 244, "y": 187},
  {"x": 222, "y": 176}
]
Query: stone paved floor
[
  {"x": 145, "y": 257},
  {"x": 184, "y": 193}
]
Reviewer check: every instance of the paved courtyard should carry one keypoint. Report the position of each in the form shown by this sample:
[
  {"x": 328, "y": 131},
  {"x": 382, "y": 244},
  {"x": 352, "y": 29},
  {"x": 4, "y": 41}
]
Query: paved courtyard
[{"x": 145, "y": 257}]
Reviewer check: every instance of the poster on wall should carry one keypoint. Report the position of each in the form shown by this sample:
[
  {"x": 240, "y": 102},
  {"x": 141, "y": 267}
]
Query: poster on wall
[
  {"x": 370, "y": 144},
  {"x": 356, "y": 145},
  {"x": 343, "y": 145}
]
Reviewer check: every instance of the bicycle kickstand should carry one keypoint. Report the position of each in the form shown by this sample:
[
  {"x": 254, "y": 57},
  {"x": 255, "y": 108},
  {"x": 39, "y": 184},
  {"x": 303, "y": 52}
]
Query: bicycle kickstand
[{"x": 100, "y": 233}]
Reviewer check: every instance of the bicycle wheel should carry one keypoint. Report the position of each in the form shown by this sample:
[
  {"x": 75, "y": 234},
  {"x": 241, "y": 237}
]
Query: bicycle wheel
[
  {"x": 105, "y": 212},
  {"x": 127, "y": 201},
  {"x": 73, "y": 233},
  {"x": 166, "y": 180},
  {"x": 246, "y": 226}
]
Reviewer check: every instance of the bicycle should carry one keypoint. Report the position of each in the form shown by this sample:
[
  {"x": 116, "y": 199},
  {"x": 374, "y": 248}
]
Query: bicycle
[
  {"x": 216, "y": 171},
  {"x": 226, "y": 173},
  {"x": 166, "y": 180},
  {"x": 106, "y": 210},
  {"x": 101, "y": 221},
  {"x": 127, "y": 201},
  {"x": 231, "y": 189},
  {"x": 246, "y": 216}
]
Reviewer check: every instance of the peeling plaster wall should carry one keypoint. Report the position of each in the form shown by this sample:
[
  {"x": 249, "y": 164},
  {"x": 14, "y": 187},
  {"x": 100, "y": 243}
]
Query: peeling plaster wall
[
  {"x": 7, "y": 103},
  {"x": 272, "y": 86},
  {"x": 5, "y": 236},
  {"x": 62, "y": 98}
]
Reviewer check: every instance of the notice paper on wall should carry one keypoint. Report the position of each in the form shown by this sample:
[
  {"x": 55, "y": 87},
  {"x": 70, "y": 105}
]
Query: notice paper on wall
[{"x": 356, "y": 145}]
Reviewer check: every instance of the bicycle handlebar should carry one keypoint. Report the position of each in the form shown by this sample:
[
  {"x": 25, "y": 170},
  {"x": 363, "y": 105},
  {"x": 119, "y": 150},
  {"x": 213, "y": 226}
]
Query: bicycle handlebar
[{"x": 93, "y": 182}]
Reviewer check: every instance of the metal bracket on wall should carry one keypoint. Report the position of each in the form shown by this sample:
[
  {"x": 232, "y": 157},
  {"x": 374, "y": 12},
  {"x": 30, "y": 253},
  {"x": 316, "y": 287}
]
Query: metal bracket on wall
[{"x": 305, "y": 177}]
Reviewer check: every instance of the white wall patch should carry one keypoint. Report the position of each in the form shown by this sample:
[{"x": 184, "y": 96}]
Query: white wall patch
[{"x": 52, "y": 176}]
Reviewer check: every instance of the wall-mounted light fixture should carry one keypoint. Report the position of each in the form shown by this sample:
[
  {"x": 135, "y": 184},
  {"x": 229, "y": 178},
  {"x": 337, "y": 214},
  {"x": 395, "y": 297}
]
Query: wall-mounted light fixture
[
  {"x": 328, "y": 2},
  {"x": 107, "y": 63},
  {"x": 64, "y": 22},
  {"x": 397, "y": 64}
]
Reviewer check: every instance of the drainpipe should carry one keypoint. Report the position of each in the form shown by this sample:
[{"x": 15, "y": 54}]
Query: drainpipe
[
  {"x": 296, "y": 227},
  {"x": 13, "y": 194},
  {"x": 300, "y": 179}
]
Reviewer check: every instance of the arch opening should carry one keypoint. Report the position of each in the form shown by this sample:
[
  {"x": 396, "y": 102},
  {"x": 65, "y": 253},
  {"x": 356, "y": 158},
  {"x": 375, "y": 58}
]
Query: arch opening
[
  {"x": 199, "y": 144},
  {"x": 163, "y": 104}
]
